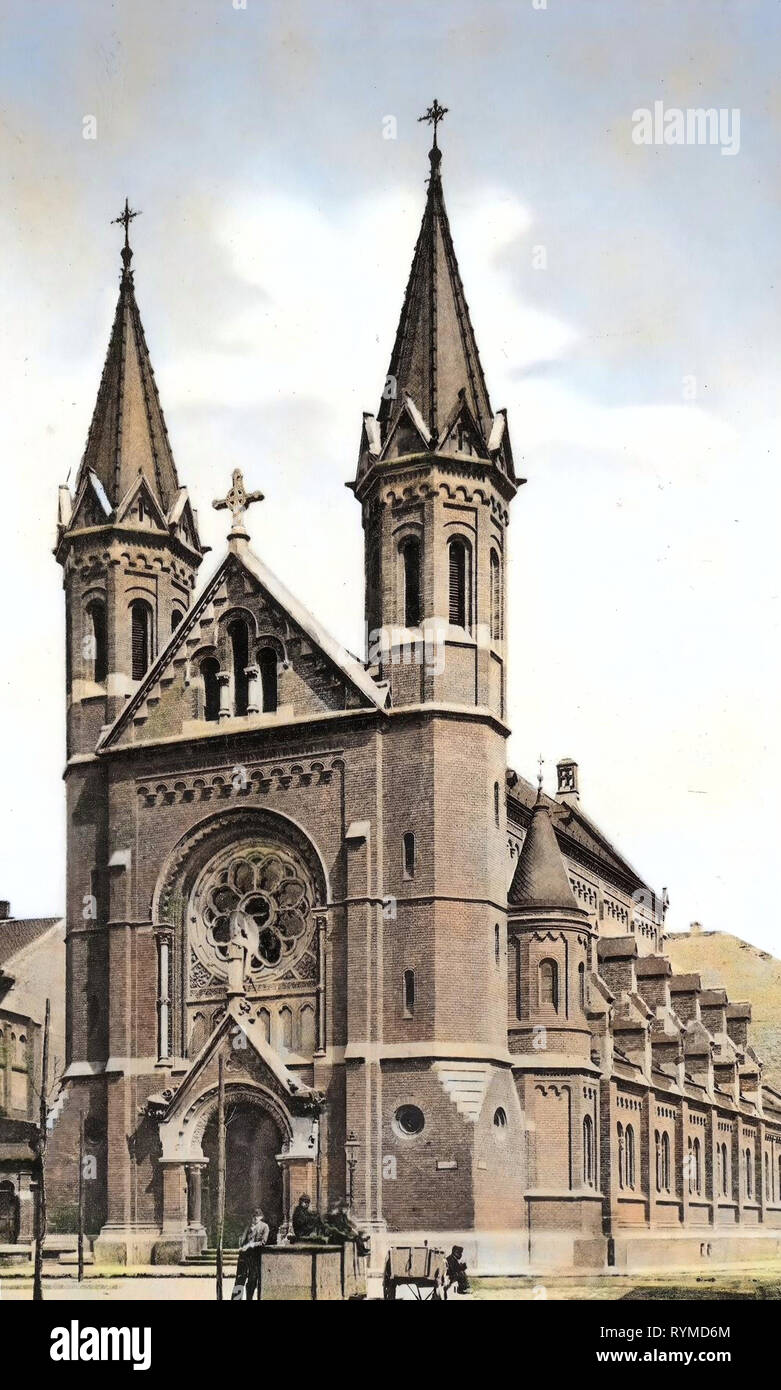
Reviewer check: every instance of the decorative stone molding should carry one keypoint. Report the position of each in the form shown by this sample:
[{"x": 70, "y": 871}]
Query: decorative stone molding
[{"x": 254, "y": 778}]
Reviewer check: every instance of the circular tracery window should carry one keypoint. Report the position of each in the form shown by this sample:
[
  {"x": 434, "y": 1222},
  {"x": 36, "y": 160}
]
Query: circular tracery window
[{"x": 255, "y": 900}]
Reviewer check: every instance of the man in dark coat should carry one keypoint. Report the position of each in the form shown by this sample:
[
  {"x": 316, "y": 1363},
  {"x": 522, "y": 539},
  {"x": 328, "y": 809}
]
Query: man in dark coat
[
  {"x": 455, "y": 1270},
  {"x": 248, "y": 1267},
  {"x": 306, "y": 1223}
]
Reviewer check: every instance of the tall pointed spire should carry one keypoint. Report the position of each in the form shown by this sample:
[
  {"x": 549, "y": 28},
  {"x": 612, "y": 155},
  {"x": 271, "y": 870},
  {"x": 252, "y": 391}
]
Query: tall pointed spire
[
  {"x": 540, "y": 878},
  {"x": 128, "y": 434},
  {"x": 435, "y": 360}
]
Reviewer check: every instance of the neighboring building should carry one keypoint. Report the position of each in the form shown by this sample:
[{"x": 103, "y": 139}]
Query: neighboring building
[
  {"x": 430, "y": 985},
  {"x": 32, "y": 970}
]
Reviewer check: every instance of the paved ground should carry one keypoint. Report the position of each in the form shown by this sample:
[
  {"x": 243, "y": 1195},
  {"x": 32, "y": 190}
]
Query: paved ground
[{"x": 749, "y": 1282}]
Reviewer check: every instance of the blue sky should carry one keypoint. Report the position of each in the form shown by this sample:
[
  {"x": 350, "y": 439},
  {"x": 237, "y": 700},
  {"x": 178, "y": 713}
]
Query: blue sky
[{"x": 271, "y": 258}]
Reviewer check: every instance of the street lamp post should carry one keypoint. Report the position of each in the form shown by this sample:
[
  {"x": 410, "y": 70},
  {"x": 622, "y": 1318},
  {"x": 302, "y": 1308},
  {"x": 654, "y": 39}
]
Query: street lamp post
[{"x": 351, "y": 1148}]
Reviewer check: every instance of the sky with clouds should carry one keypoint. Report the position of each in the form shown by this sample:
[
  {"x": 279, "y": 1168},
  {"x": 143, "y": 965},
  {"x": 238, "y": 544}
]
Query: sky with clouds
[{"x": 638, "y": 362}]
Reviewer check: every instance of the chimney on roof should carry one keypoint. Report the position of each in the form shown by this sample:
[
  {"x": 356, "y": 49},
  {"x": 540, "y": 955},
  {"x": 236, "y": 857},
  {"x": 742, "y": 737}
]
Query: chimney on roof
[
  {"x": 567, "y": 773},
  {"x": 5, "y": 910}
]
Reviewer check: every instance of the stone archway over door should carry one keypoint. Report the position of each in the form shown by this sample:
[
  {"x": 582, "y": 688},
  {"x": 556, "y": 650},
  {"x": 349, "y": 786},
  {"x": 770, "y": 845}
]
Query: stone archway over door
[{"x": 253, "y": 1175}]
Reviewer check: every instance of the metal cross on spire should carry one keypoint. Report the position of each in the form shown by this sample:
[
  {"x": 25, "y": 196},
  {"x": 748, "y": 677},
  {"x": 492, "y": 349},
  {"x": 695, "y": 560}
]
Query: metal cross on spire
[
  {"x": 124, "y": 220},
  {"x": 541, "y": 763},
  {"x": 433, "y": 116},
  {"x": 237, "y": 501}
]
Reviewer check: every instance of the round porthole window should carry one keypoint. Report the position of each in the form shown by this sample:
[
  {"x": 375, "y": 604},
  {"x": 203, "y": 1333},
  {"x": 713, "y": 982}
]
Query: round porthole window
[
  {"x": 410, "y": 1119},
  {"x": 500, "y": 1118}
]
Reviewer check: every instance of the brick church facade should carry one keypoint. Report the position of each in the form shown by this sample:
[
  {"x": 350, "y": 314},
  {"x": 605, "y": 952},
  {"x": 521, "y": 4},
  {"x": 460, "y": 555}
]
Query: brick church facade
[{"x": 429, "y": 982}]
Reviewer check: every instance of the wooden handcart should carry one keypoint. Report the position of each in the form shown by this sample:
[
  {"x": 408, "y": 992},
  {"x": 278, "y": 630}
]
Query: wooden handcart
[{"x": 419, "y": 1267}]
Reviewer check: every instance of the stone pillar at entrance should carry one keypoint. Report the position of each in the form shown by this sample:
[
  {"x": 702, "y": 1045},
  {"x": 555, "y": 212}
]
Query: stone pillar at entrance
[{"x": 195, "y": 1234}]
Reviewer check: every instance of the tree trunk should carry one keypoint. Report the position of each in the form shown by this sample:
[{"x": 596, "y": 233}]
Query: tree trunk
[
  {"x": 43, "y": 1117},
  {"x": 81, "y": 1197},
  {"x": 220, "y": 1172}
]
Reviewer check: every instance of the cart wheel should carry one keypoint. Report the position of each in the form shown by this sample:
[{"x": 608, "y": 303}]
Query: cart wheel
[{"x": 388, "y": 1284}]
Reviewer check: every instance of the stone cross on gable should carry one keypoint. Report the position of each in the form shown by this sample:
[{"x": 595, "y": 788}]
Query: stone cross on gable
[{"x": 237, "y": 501}]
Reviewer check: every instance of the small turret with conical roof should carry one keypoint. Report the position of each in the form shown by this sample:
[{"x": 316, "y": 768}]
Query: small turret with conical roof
[{"x": 550, "y": 940}]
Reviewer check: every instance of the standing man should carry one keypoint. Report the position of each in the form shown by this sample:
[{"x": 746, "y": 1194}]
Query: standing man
[{"x": 248, "y": 1267}]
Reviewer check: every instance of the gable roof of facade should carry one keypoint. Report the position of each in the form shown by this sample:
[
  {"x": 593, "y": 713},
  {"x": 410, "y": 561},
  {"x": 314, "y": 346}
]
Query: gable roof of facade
[{"x": 349, "y": 667}]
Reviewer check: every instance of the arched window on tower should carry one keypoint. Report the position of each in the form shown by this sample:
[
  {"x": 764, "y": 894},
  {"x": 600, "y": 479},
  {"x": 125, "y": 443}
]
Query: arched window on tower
[
  {"x": 409, "y": 551},
  {"x": 767, "y": 1177},
  {"x": 658, "y": 1160},
  {"x": 497, "y": 943},
  {"x": 460, "y": 575},
  {"x": 211, "y": 687},
  {"x": 749, "y": 1183},
  {"x": 176, "y": 618},
  {"x": 496, "y": 803},
  {"x": 373, "y": 604},
  {"x": 141, "y": 637},
  {"x": 239, "y": 637},
  {"x": 548, "y": 984},
  {"x": 409, "y": 993},
  {"x": 582, "y": 985},
  {"x": 588, "y": 1151},
  {"x": 723, "y": 1170},
  {"x": 408, "y": 846},
  {"x": 496, "y": 597},
  {"x": 267, "y": 663},
  {"x": 96, "y": 647},
  {"x": 621, "y": 1156}
]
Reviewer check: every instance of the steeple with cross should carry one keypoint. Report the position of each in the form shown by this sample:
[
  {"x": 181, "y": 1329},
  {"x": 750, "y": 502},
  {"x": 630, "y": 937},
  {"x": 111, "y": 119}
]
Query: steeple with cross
[
  {"x": 237, "y": 501},
  {"x": 433, "y": 116},
  {"x": 125, "y": 218}
]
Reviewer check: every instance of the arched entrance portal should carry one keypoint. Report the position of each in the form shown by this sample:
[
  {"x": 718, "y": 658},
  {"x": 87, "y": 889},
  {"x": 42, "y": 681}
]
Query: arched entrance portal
[{"x": 253, "y": 1177}]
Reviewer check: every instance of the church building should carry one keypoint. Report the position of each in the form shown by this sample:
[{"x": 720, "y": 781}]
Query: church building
[{"x": 433, "y": 987}]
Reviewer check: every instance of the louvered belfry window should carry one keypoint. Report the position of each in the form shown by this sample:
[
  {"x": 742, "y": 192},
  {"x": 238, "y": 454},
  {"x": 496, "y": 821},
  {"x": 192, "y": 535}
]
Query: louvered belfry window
[
  {"x": 410, "y": 553},
  {"x": 460, "y": 584},
  {"x": 141, "y": 638}
]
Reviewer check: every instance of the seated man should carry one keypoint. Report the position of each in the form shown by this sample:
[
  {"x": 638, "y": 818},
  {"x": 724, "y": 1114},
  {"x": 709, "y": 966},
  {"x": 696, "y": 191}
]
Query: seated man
[
  {"x": 248, "y": 1267},
  {"x": 455, "y": 1270},
  {"x": 340, "y": 1227},
  {"x": 306, "y": 1223}
]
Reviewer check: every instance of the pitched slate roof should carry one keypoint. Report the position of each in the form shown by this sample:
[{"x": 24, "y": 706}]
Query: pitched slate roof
[
  {"x": 16, "y": 933},
  {"x": 580, "y": 838}
]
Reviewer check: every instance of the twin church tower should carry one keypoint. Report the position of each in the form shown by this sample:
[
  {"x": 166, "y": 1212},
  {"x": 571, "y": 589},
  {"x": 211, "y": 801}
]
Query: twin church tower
[{"x": 318, "y": 870}]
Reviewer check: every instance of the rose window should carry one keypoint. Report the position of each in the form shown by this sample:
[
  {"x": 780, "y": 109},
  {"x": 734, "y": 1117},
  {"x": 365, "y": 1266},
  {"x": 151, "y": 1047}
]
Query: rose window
[{"x": 256, "y": 902}]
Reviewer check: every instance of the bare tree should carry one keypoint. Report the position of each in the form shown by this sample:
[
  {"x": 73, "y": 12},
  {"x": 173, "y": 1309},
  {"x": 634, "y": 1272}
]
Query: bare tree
[
  {"x": 220, "y": 1171},
  {"x": 43, "y": 1131}
]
